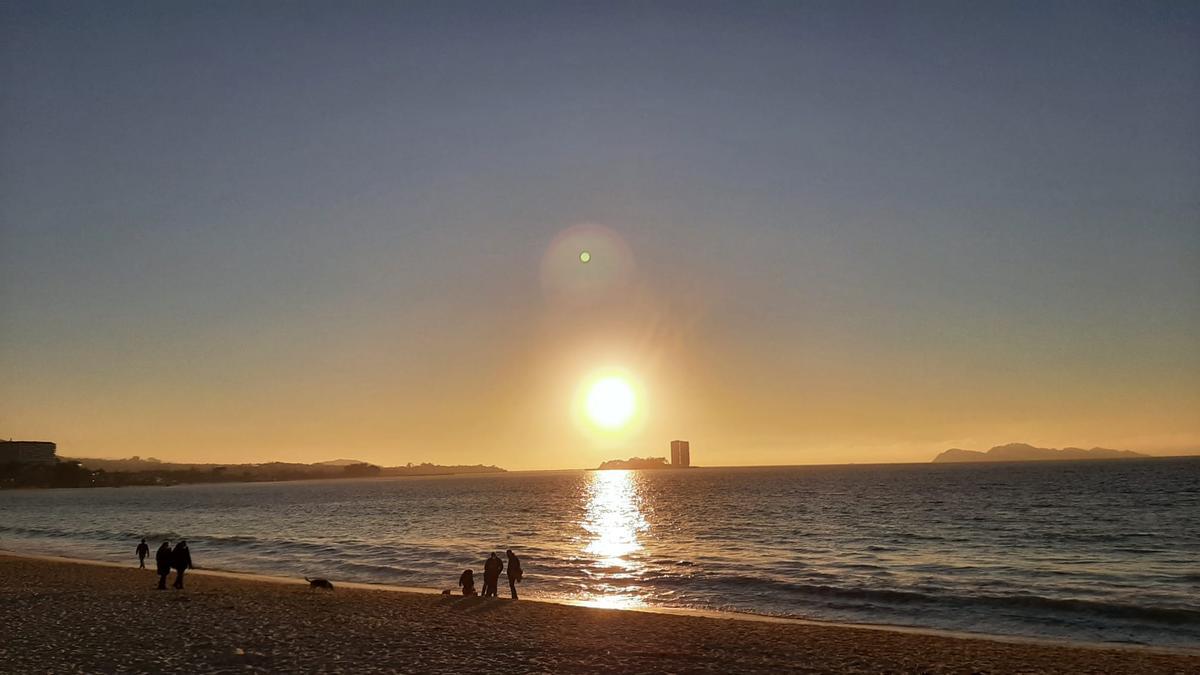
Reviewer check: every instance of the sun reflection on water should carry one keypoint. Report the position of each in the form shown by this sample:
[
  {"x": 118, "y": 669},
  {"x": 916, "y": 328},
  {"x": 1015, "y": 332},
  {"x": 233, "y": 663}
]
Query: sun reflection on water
[{"x": 614, "y": 522}]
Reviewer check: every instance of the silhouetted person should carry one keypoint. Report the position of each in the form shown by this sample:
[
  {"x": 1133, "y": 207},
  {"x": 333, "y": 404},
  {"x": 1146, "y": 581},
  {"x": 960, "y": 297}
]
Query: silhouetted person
[
  {"x": 514, "y": 572},
  {"x": 181, "y": 559},
  {"x": 142, "y": 551},
  {"x": 162, "y": 558},
  {"x": 491, "y": 575},
  {"x": 467, "y": 581}
]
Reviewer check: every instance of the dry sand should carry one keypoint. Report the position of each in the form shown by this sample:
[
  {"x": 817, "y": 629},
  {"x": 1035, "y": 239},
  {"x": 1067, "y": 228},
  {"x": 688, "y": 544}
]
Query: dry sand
[{"x": 62, "y": 617}]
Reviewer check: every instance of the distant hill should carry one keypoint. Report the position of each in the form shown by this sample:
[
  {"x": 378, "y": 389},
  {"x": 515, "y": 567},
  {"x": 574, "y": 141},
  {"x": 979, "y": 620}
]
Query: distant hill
[
  {"x": 339, "y": 462},
  {"x": 1023, "y": 452},
  {"x": 636, "y": 463}
]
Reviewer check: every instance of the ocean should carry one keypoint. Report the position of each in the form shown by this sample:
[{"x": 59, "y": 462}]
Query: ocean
[{"x": 1092, "y": 551}]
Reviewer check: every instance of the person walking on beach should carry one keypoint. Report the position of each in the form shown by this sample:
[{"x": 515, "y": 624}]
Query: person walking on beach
[
  {"x": 491, "y": 575},
  {"x": 163, "y": 560},
  {"x": 514, "y": 572},
  {"x": 181, "y": 559},
  {"x": 142, "y": 551},
  {"x": 467, "y": 581}
]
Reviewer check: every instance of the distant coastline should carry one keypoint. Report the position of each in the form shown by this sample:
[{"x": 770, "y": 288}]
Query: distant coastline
[
  {"x": 82, "y": 472},
  {"x": 1023, "y": 452}
]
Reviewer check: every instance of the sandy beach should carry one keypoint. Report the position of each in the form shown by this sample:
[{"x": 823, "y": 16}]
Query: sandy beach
[{"x": 61, "y": 616}]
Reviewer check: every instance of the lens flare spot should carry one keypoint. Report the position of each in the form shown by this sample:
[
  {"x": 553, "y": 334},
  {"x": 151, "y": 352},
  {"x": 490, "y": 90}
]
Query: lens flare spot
[{"x": 586, "y": 264}]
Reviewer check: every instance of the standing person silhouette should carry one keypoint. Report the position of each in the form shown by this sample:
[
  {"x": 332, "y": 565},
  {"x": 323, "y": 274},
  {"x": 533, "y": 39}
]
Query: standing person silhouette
[
  {"x": 142, "y": 551},
  {"x": 181, "y": 560},
  {"x": 491, "y": 575},
  {"x": 514, "y": 572},
  {"x": 162, "y": 558}
]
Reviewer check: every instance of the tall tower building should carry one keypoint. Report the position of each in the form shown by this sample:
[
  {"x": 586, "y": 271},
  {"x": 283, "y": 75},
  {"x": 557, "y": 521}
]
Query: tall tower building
[{"x": 681, "y": 454}]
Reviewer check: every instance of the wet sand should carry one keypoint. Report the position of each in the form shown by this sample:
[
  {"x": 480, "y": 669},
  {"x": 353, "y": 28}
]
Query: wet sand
[{"x": 60, "y": 617}]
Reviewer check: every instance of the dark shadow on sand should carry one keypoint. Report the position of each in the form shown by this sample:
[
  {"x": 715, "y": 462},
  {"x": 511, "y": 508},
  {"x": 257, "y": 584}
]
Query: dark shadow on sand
[{"x": 474, "y": 604}]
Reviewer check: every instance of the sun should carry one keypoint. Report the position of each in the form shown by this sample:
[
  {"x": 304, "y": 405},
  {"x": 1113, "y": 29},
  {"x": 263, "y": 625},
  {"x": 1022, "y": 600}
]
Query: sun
[
  {"x": 611, "y": 402},
  {"x": 609, "y": 405}
]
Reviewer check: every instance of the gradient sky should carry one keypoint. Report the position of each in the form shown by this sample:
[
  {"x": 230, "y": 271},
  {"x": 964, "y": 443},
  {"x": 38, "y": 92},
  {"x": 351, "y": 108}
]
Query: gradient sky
[{"x": 838, "y": 232}]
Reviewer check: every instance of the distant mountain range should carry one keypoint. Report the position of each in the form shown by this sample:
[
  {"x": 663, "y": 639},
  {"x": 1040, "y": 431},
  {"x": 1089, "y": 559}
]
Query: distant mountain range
[{"x": 1023, "y": 452}]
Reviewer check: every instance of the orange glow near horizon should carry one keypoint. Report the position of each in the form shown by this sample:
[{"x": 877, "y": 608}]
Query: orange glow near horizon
[{"x": 612, "y": 359}]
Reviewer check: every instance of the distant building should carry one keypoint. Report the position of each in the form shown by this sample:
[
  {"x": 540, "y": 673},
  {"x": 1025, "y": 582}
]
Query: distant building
[
  {"x": 681, "y": 454},
  {"x": 27, "y": 452}
]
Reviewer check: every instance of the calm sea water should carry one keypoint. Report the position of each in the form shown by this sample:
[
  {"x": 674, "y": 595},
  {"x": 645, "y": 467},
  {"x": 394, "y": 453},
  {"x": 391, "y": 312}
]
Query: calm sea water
[{"x": 1105, "y": 551}]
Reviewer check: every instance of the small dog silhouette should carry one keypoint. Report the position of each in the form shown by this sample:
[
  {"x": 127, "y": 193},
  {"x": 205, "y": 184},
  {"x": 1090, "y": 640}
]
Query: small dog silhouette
[{"x": 319, "y": 583}]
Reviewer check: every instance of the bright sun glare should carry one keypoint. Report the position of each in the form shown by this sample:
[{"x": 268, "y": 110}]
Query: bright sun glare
[{"x": 611, "y": 402}]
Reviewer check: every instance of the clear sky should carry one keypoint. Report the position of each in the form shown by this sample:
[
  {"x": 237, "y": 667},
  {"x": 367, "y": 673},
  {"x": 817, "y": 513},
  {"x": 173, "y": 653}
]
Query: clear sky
[{"x": 823, "y": 232}]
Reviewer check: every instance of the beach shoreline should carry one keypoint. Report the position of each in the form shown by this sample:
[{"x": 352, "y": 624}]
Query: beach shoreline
[
  {"x": 675, "y": 611},
  {"x": 65, "y": 614}
]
